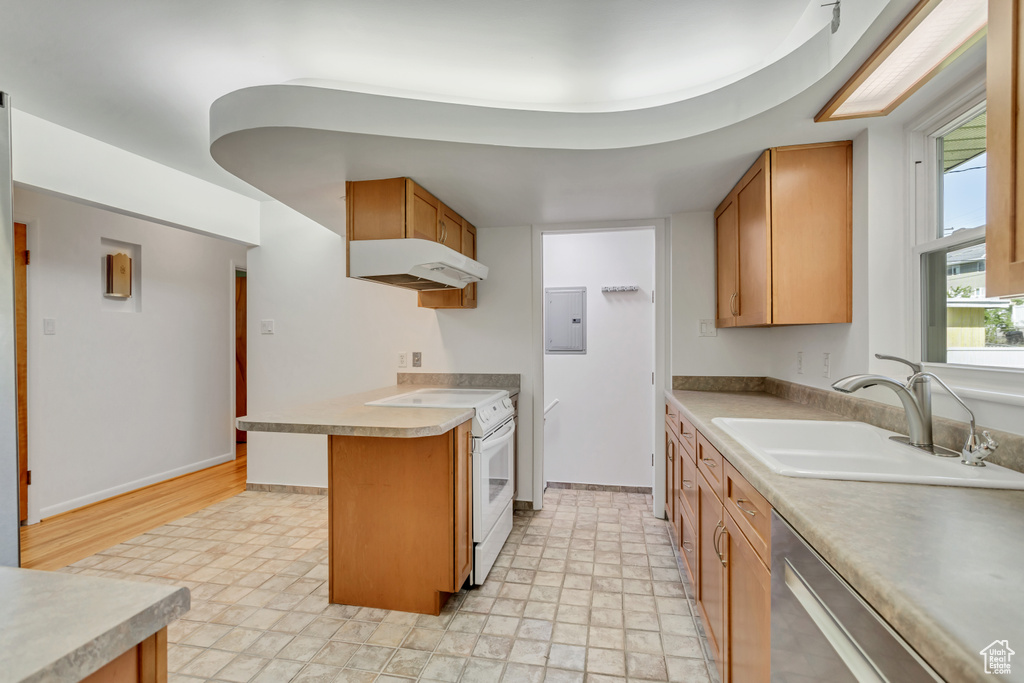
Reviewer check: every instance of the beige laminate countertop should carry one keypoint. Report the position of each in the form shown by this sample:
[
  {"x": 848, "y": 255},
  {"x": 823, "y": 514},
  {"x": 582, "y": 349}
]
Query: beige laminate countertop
[
  {"x": 349, "y": 416},
  {"x": 57, "y": 627},
  {"x": 943, "y": 565}
]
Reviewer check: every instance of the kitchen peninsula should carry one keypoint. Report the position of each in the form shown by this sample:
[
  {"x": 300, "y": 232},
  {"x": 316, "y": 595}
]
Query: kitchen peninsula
[{"x": 400, "y": 488}]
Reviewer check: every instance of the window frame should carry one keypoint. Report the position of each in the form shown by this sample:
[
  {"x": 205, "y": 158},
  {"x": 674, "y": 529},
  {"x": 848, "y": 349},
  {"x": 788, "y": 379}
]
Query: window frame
[{"x": 925, "y": 198}]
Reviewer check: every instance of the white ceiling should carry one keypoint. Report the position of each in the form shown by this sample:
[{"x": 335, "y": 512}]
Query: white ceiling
[{"x": 564, "y": 100}]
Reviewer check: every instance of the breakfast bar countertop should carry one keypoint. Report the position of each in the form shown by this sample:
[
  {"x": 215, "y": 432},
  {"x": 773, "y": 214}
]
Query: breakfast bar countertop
[
  {"x": 349, "y": 416},
  {"x": 943, "y": 565},
  {"x": 59, "y": 627}
]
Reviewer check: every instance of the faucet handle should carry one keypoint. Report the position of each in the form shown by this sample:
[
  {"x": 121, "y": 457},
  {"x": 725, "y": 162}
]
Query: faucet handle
[
  {"x": 976, "y": 451},
  {"x": 915, "y": 367}
]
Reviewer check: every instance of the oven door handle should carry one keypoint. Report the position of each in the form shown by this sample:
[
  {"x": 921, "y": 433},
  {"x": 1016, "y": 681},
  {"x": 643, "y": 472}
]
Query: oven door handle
[{"x": 498, "y": 439}]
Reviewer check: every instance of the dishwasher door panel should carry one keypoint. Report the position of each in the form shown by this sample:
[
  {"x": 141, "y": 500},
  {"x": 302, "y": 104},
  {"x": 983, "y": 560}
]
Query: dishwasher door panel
[{"x": 823, "y": 631}]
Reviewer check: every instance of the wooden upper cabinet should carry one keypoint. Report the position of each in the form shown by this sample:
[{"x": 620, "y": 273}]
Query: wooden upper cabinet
[
  {"x": 449, "y": 229},
  {"x": 1004, "y": 233},
  {"x": 728, "y": 257},
  {"x": 753, "y": 305},
  {"x": 399, "y": 208},
  {"x": 784, "y": 239},
  {"x": 423, "y": 213}
]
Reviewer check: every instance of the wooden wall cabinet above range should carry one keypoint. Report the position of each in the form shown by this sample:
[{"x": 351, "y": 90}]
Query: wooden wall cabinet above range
[
  {"x": 784, "y": 239},
  {"x": 399, "y": 208}
]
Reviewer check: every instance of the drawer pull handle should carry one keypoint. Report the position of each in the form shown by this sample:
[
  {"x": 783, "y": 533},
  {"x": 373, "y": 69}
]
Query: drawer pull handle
[
  {"x": 732, "y": 301},
  {"x": 687, "y": 484},
  {"x": 687, "y": 547},
  {"x": 670, "y": 457},
  {"x": 709, "y": 462},
  {"x": 716, "y": 538},
  {"x": 687, "y": 435},
  {"x": 752, "y": 513}
]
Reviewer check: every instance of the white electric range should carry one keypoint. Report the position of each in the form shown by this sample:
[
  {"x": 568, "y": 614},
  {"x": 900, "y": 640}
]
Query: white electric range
[{"x": 493, "y": 430}]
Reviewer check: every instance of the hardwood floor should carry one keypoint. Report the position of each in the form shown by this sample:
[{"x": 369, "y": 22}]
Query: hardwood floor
[{"x": 70, "y": 536}]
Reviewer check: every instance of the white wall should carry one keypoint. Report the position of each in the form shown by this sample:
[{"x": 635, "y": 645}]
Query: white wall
[
  {"x": 599, "y": 433},
  {"x": 118, "y": 400},
  {"x": 59, "y": 161},
  {"x": 335, "y": 335}
]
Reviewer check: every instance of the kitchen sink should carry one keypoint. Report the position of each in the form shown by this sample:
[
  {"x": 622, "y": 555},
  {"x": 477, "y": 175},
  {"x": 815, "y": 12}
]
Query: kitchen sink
[{"x": 855, "y": 451}]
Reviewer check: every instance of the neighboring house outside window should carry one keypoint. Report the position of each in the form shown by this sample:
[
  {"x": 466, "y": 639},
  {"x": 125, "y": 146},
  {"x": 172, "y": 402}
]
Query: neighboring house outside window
[{"x": 961, "y": 325}]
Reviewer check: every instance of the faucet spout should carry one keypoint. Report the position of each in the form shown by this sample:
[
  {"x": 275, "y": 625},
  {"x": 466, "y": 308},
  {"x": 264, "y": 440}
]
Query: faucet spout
[{"x": 919, "y": 428}]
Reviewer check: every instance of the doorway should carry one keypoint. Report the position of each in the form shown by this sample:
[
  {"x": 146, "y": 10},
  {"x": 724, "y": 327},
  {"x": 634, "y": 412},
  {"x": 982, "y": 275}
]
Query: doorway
[
  {"x": 240, "y": 353},
  {"x": 600, "y": 375},
  {"x": 21, "y": 260}
]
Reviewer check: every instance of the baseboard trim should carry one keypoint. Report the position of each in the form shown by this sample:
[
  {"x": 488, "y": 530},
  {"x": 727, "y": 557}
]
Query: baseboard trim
[
  {"x": 611, "y": 488},
  {"x": 82, "y": 501},
  {"x": 287, "y": 488}
]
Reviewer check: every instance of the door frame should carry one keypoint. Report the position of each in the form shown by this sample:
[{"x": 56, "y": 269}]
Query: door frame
[
  {"x": 21, "y": 359},
  {"x": 662, "y": 342},
  {"x": 232, "y": 268}
]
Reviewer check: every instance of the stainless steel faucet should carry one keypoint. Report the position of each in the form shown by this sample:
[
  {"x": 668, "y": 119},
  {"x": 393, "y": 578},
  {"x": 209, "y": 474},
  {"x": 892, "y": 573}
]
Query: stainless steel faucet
[{"x": 916, "y": 397}]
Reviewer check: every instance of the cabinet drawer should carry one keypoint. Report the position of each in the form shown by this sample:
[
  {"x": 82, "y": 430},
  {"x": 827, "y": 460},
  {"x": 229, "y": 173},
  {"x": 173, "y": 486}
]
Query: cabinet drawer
[
  {"x": 672, "y": 418},
  {"x": 688, "y": 436},
  {"x": 750, "y": 511},
  {"x": 710, "y": 464},
  {"x": 688, "y": 485},
  {"x": 688, "y": 546}
]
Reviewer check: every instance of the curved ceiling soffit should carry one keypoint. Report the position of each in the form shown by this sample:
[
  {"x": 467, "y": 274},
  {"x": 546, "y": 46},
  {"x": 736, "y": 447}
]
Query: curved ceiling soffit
[{"x": 335, "y": 110}]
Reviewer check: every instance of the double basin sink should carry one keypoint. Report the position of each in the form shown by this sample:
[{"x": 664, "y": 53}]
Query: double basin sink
[{"x": 855, "y": 451}]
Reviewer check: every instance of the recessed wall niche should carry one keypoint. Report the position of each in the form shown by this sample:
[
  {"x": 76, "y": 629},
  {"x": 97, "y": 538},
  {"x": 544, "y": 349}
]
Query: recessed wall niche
[{"x": 133, "y": 304}]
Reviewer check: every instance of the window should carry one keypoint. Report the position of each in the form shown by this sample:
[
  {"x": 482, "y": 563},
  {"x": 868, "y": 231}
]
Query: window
[{"x": 961, "y": 325}]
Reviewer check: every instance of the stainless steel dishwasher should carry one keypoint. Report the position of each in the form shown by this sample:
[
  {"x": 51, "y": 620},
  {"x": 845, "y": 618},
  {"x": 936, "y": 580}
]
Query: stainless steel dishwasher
[{"x": 822, "y": 630}]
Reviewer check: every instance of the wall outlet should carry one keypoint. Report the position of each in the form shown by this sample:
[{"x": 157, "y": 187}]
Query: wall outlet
[
  {"x": 706, "y": 328},
  {"x": 799, "y": 362},
  {"x": 417, "y": 359},
  {"x": 826, "y": 365},
  {"x": 403, "y": 359},
  {"x": 49, "y": 326},
  {"x": 266, "y": 327}
]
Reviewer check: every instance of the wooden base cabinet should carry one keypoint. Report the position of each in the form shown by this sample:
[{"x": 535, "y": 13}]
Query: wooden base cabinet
[
  {"x": 144, "y": 663},
  {"x": 748, "y": 609},
  {"x": 710, "y": 581},
  {"x": 723, "y": 527},
  {"x": 400, "y": 520}
]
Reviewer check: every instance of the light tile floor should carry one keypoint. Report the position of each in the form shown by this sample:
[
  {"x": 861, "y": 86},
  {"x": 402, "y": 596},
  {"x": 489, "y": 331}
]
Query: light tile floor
[{"x": 587, "y": 589}]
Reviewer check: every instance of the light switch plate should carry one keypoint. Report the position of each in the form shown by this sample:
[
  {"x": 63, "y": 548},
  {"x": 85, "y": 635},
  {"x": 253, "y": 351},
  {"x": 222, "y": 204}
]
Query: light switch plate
[
  {"x": 49, "y": 326},
  {"x": 706, "y": 328},
  {"x": 266, "y": 327},
  {"x": 417, "y": 359},
  {"x": 826, "y": 365}
]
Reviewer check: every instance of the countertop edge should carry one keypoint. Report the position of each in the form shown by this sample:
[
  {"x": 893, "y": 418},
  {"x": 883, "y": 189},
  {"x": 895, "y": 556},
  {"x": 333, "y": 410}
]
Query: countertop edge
[
  {"x": 104, "y": 648},
  {"x": 905, "y": 617},
  {"x": 355, "y": 430}
]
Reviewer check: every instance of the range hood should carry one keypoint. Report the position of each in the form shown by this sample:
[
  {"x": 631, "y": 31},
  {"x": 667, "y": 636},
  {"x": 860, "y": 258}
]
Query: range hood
[{"x": 413, "y": 264}]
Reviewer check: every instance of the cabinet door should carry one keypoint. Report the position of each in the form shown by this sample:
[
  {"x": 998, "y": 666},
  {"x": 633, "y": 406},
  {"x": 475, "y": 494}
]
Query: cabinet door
[
  {"x": 670, "y": 476},
  {"x": 423, "y": 213},
  {"x": 727, "y": 258},
  {"x": 711, "y": 577},
  {"x": 449, "y": 229},
  {"x": 1004, "y": 234},
  {"x": 462, "y": 454},
  {"x": 748, "y": 615},
  {"x": 469, "y": 249},
  {"x": 811, "y": 233},
  {"x": 375, "y": 209},
  {"x": 754, "y": 269}
]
